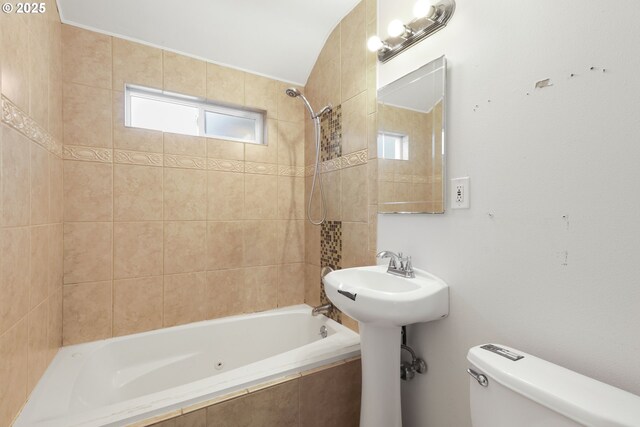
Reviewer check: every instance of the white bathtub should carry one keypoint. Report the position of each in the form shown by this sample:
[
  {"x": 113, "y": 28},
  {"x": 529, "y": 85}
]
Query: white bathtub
[{"x": 118, "y": 381}]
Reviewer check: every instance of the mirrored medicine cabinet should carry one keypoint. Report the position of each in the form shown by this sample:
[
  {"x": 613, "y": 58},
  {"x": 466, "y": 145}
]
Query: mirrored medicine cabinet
[{"x": 411, "y": 142}]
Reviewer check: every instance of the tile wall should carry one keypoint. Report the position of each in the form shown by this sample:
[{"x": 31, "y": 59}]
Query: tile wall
[
  {"x": 345, "y": 76},
  {"x": 30, "y": 203},
  {"x": 163, "y": 229}
]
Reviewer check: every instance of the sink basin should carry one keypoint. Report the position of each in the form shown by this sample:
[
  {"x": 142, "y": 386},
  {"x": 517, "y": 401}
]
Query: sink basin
[
  {"x": 371, "y": 295},
  {"x": 381, "y": 303}
]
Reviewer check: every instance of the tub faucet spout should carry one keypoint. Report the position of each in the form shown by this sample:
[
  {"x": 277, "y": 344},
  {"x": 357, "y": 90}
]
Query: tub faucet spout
[{"x": 321, "y": 309}]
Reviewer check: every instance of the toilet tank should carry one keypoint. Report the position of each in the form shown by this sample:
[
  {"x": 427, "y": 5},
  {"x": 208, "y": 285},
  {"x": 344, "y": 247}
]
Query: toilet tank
[{"x": 525, "y": 391}]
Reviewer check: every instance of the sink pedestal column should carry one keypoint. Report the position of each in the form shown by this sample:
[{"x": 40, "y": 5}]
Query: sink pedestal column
[{"x": 380, "y": 352}]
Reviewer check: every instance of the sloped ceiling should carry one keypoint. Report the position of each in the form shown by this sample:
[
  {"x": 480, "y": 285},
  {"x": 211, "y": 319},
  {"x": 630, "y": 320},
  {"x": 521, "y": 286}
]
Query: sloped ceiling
[{"x": 276, "y": 38}]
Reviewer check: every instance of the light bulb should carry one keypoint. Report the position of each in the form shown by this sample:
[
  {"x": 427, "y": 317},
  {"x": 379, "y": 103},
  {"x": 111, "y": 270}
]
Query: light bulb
[
  {"x": 374, "y": 44},
  {"x": 395, "y": 28},
  {"x": 423, "y": 9}
]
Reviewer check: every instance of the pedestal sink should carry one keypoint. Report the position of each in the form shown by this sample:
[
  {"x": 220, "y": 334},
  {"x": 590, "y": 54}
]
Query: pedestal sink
[{"x": 382, "y": 303}]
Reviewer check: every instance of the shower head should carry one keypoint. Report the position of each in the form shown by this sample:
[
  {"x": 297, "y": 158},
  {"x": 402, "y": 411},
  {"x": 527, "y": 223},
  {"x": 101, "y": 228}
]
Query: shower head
[{"x": 293, "y": 92}]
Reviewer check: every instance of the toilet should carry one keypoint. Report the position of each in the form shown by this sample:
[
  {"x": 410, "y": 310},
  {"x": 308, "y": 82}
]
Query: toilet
[{"x": 511, "y": 388}]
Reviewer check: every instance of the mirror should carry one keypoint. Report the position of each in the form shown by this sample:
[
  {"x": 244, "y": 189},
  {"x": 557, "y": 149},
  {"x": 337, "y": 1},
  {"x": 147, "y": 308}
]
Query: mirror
[{"x": 411, "y": 135}]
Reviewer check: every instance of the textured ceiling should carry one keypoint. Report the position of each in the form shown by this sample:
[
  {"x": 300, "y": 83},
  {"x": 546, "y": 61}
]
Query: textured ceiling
[{"x": 275, "y": 38}]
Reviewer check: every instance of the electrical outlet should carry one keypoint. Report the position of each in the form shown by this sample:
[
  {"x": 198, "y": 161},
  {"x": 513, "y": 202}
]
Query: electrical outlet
[{"x": 460, "y": 193}]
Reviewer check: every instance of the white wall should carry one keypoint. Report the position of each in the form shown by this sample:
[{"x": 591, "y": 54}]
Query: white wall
[{"x": 571, "y": 150}]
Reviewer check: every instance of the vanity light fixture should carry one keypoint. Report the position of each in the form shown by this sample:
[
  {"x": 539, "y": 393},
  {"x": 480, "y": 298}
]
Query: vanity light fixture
[{"x": 428, "y": 19}]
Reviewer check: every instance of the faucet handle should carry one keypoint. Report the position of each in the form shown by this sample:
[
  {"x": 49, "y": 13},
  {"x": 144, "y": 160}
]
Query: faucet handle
[
  {"x": 392, "y": 263},
  {"x": 405, "y": 262}
]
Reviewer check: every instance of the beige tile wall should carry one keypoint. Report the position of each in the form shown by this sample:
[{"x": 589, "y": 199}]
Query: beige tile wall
[
  {"x": 345, "y": 74},
  {"x": 30, "y": 203},
  {"x": 159, "y": 229},
  {"x": 164, "y": 229}
]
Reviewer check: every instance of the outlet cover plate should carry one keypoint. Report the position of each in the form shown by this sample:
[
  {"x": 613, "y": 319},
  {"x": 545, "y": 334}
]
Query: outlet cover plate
[{"x": 460, "y": 193}]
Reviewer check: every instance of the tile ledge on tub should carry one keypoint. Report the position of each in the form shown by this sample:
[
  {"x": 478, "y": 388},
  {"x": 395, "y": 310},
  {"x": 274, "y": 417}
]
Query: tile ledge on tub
[
  {"x": 214, "y": 401},
  {"x": 322, "y": 368},
  {"x": 273, "y": 383},
  {"x": 157, "y": 419}
]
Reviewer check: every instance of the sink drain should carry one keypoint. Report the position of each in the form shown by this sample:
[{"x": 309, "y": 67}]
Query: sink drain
[{"x": 219, "y": 365}]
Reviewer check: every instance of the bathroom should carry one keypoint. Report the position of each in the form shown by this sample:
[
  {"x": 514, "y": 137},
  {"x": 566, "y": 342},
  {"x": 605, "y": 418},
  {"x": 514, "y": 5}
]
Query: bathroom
[{"x": 111, "y": 231}]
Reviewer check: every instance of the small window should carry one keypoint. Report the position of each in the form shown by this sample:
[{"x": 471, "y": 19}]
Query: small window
[
  {"x": 169, "y": 112},
  {"x": 393, "y": 145}
]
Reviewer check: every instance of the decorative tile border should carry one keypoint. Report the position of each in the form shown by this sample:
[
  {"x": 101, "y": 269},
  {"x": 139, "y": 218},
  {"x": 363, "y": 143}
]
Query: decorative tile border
[
  {"x": 399, "y": 177},
  {"x": 225, "y": 165},
  {"x": 87, "y": 154},
  {"x": 107, "y": 155},
  {"x": 356, "y": 158},
  {"x": 261, "y": 168},
  {"x": 187, "y": 162},
  {"x": 291, "y": 171},
  {"x": 137, "y": 158},
  {"x": 128, "y": 157},
  {"x": 331, "y": 165},
  {"x": 20, "y": 121}
]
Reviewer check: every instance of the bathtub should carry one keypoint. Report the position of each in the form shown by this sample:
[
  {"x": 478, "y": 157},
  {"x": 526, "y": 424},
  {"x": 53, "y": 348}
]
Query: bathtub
[{"x": 122, "y": 380}]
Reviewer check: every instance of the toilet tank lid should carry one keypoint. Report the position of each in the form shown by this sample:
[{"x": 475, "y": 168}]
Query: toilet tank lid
[{"x": 573, "y": 395}]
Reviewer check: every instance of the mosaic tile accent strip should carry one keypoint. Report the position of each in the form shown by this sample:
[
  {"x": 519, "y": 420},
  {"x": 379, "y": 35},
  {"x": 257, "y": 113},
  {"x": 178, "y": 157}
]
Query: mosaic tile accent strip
[
  {"x": 331, "y": 134},
  {"x": 330, "y": 256},
  {"x": 331, "y": 244},
  {"x": 23, "y": 123},
  {"x": 137, "y": 158},
  {"x": 87, "y": 154}
]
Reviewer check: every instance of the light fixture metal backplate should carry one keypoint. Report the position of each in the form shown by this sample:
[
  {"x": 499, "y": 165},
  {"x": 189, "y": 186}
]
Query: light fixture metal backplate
[{"x": 422, "y": 28}]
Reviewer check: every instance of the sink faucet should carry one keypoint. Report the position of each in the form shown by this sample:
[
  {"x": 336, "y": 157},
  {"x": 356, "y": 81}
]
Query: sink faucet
[{"x": 399, "y": 264}]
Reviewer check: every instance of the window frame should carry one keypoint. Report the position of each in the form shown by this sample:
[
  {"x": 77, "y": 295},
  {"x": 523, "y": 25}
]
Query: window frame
[
  {"x": 203, "y": 106},
  {"x": 401, "y": 147}
]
